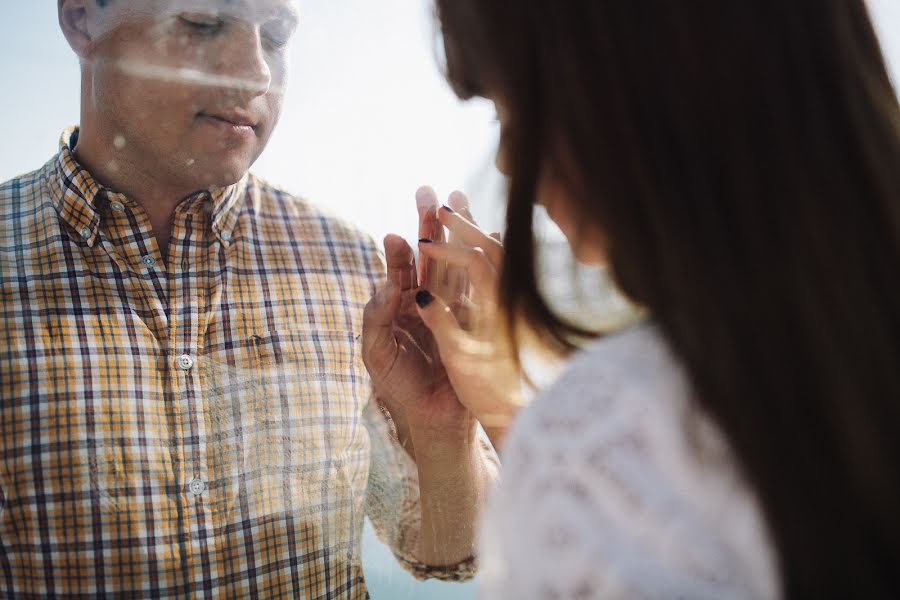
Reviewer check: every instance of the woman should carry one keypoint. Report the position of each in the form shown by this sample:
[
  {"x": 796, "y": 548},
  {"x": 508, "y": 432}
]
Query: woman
[{"x": 737, "y": 164}]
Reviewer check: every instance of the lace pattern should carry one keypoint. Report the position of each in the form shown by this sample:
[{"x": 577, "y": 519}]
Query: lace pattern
[{"x": 615, "y": 486}]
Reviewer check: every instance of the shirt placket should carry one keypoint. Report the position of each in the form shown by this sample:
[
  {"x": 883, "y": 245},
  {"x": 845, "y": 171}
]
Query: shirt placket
[
  {"x": 127, "y": 238},
  {"x": 186, "y": 271}
]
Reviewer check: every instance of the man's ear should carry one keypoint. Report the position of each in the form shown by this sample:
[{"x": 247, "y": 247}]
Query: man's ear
[{"x": 73, "y": 20}]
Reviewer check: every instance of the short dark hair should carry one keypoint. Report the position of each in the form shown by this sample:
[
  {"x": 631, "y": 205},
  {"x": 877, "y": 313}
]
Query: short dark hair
[{"x": 742, "y": 160}]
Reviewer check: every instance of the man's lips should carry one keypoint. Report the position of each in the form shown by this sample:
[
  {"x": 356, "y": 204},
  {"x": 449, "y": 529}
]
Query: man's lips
[
  {"x": 233, "y": 119},
  {"x": 235, "y": 126}
]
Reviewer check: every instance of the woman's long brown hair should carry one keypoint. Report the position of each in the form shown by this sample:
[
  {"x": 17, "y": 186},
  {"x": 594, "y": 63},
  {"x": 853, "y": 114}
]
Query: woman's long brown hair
[{"x": 742, "y": 159}]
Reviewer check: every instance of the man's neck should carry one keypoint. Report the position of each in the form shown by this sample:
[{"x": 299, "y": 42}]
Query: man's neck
[{"x": 118, "y": 170}]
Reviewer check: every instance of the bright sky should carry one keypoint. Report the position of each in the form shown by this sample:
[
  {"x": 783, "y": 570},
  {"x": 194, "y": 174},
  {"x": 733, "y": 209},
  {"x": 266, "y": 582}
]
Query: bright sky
[{"x": 368, "y": 117}]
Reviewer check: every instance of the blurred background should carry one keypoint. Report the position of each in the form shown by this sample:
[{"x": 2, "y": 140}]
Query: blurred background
[{"x": 368, "y": 118}]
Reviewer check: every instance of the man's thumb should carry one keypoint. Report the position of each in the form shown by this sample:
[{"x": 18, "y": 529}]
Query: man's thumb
[{"x": 378, "y": 320}]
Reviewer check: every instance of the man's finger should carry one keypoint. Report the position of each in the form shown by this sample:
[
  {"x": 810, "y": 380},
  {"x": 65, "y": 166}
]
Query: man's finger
[
  {"x": 427, "y": 205},
  {"x": 401, "y": 262},
  {"x": 430, "y": 228},
  {"x": 379, "y": 346}
]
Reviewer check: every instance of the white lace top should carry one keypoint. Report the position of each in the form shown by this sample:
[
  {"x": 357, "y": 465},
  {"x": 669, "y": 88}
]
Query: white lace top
[{"x": 614, "y": 486}]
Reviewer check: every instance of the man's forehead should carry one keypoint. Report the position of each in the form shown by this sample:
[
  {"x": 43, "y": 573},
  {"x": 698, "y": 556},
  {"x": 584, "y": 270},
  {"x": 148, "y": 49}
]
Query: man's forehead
[{"x": 247, "y": 10}]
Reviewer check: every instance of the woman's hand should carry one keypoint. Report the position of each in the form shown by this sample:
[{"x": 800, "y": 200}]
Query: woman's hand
[{"x": 471, "y": 342}]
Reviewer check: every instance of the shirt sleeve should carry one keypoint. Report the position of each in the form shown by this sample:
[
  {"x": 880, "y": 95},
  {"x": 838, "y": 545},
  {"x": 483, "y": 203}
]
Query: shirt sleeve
[{"x": 392, "y": 502}]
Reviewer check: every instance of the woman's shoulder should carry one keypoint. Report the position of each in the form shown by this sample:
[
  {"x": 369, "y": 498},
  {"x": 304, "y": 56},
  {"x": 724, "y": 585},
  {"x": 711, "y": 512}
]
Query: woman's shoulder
[
  {"x": 615, "y": 459},
  {"x": 626, "y": 386},
  {"x": 627, "y": 371},
  {"x": 637, "y": 354}
]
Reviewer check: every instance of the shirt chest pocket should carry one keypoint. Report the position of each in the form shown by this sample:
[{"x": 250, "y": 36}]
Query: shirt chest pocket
[{"x": 283, "y": 421}]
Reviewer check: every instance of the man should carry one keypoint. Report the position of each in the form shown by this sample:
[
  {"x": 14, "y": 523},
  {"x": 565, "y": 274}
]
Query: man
[{"x": 185, "y": 412}]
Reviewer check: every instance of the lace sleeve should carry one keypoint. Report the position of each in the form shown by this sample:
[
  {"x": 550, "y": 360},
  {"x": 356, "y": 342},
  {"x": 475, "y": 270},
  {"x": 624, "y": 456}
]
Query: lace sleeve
[{"x": 605, "y": 496}]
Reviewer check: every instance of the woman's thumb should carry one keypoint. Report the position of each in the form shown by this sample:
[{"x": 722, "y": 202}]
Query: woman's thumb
[{"x": 438, "y": 317}]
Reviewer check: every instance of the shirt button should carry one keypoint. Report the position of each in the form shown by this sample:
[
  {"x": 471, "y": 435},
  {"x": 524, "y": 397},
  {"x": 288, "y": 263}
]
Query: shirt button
[
  {"x": 185, "y": 362},
  {"x": 85, "y": 232},
  {"x": 197, "y": 487},
  {"x": 225, "y": 235},
  {"x": 148, "y": 261},
  {"x": 117, "y": 206}
]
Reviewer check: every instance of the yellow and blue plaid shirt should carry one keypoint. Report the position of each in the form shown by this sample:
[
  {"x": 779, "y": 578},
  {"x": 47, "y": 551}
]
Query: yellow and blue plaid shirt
[{"x": 200, "y": 426}]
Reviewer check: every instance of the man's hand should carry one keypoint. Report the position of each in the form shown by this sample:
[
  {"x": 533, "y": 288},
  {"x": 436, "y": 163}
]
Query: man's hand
[{"x": 400, "y": 353}]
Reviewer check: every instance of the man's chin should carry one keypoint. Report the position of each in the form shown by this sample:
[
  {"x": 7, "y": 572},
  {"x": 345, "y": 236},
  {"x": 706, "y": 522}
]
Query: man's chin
[{"x": 217, "y": 174}]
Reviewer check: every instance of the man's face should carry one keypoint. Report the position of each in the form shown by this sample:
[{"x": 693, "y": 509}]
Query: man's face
[{"x": 190, "y": 89}]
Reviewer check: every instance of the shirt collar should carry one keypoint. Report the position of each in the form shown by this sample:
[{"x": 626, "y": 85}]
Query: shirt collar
[
  {"x": 225, "y": 208},
  {"x": 80, "y": 199}
]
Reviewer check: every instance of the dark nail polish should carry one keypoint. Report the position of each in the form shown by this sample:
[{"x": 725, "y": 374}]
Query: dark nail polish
[
  {"x": 424, "y": 298},
  {"x": 425, "y": 241},
  {"x": 448, "y": 209}
]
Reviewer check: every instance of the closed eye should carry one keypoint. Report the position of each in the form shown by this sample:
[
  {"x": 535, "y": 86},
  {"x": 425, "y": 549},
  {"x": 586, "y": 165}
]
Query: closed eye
[
  {"x": 278, "y": 33},
  {"x": 277, "y": 42},
  {"x": 202, "y": 23}
]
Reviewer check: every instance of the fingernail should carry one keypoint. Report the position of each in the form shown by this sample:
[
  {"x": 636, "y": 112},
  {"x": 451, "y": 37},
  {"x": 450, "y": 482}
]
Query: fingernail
[
  {"x": 448, "y": 209},
  {"x": 424, "y": 298},
  {"x": 425, "y": 241}
]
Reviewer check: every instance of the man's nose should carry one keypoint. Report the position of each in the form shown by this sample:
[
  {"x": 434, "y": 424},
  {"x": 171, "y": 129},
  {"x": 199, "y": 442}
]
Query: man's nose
[{"x": 246, "y": 63}]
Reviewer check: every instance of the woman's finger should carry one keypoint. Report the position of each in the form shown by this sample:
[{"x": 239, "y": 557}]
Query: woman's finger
[
  {"x": 481, "y": 272},
  {"x": 469, "y": 234},
  {"x": 457, "y": 281},
  {"x": 438, "y": 317},
  {"x": 472, "y": 317}
]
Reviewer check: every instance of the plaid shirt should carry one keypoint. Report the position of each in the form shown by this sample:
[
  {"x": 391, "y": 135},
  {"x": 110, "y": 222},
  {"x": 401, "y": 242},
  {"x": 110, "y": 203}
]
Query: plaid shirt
[{"x": 194, "y": 427}]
